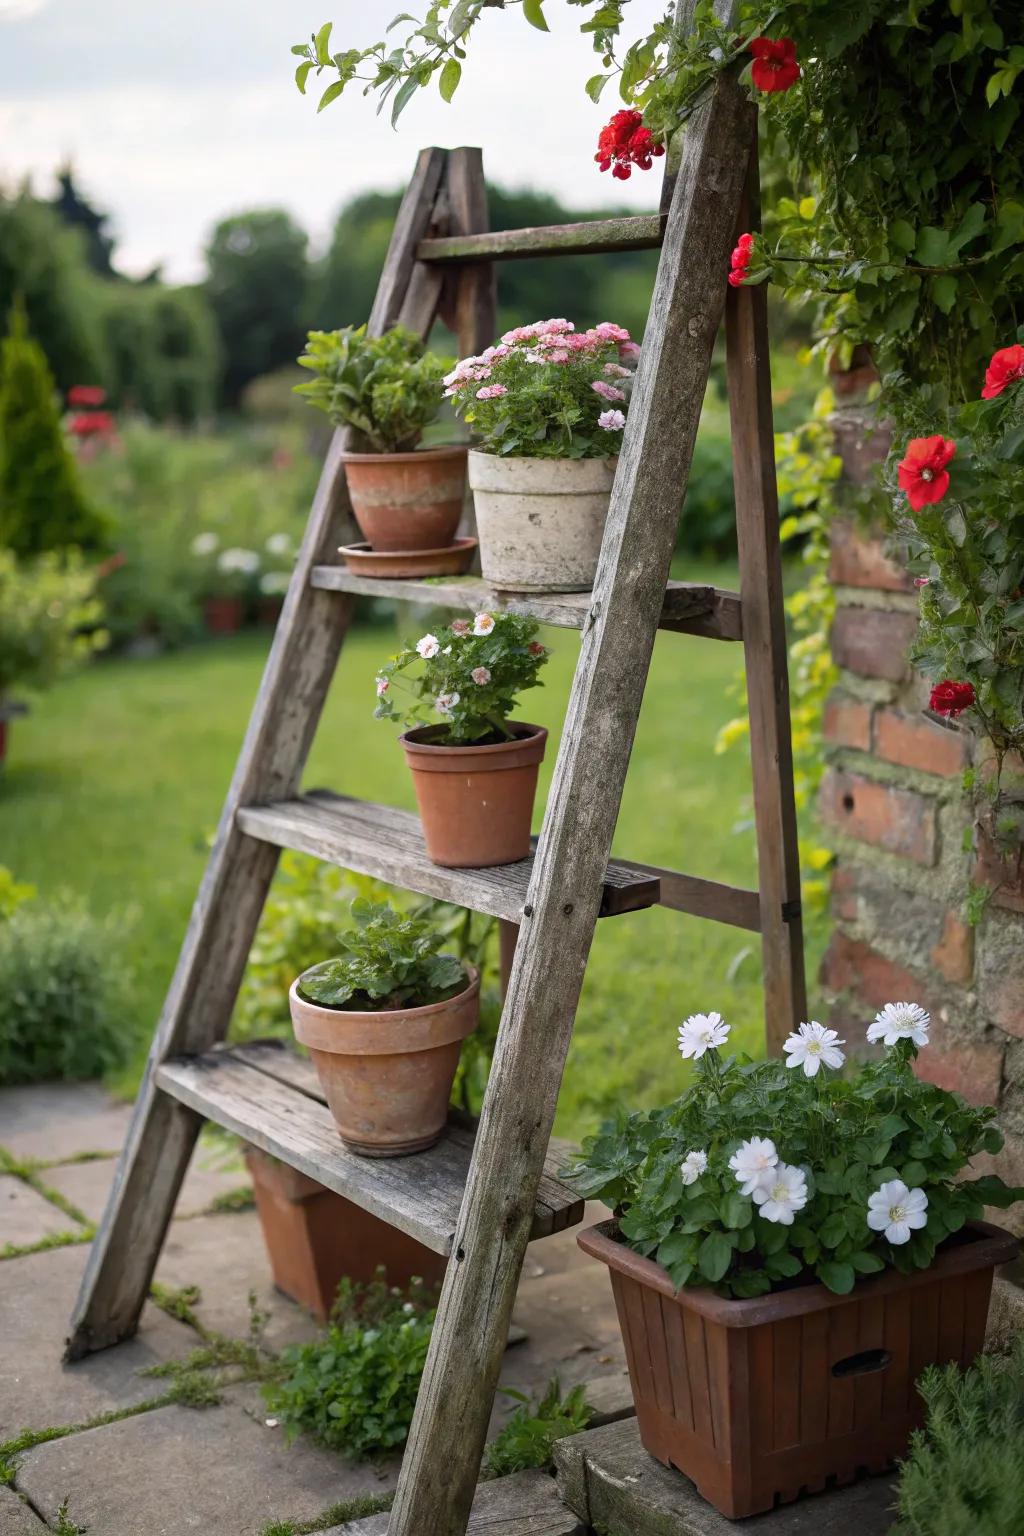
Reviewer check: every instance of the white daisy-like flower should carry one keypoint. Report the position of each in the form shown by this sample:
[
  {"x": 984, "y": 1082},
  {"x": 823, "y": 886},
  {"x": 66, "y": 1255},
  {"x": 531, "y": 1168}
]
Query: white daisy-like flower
[
  {"x": 274, "y": 583},
  {"x": 483, "y": 623},
  {"x": 900, "y": 1021},
  {"x": 446, "y": 702},
  {"x": 782, "y": 1195},
  {"x": 692, "y": 1166},
  {"x": 897, "y": 1211},
  {"x": 428, "y": 646},
  {"x": 204, "y": 543},
  {"x": 247, "y": 561},
  {"x": 702, "y": 1032},
  {"x": 279, "y": 544},
  {"x": 753, "y": 1162},
  {"x": 813, "y": 1046}
]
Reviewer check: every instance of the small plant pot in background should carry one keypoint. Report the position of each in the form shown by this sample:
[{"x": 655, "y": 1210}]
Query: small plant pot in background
[
  {"x": 223, "y": 615},
  {"x": 765, "y": 1399},
  {"x": 268, "y": 610},
  {"x": 315, "y": 1238},
  {"x": 475, "y": 802},
  {"x": 540, "y": 522},
  {"x": 408, "y": 501},
  {"x": 387, "y": 1076}
]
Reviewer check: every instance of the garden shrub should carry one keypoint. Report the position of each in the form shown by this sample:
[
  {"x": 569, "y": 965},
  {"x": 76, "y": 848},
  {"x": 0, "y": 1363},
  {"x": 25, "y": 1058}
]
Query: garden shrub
[
  {"x": 64, "y": 1006},
  {"x": 48, "y": 619},
  {"x": 964, "y": 1475},
  {"x": 530, "y": 1433},
  {"x": 43, "y": 505},
  {"x": 354, "y": 1388}
]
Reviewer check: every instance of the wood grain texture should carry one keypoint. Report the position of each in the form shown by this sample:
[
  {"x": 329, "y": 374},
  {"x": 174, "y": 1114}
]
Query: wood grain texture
[
  {"x": 387, "y": 843},
  {"x": 446, "y": 1440},
  {"x": 198, "y": 1006},
  {"x": 525, "y": 1504},
  {"x": 420, "y": 1195},
  {"x": 640, "y": 232},
  {"x": 764, "y": 643},
  {"x": 688, "y": 608}
]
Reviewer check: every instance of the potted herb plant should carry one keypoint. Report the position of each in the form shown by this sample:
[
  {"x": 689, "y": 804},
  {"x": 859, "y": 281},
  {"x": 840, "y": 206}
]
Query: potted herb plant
[
  {"x": 475, "y": 772},
  {"x": 550, "y": 404},
  {"x": 387, "y": 389},
  {"x": 790, "y": 1249},
  {"x": 383, "y": 1023}
]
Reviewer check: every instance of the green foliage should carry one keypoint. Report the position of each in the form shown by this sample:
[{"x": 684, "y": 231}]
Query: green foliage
[
  {"x": 964, "y": 1475},
  {"x": 63, "y": 1006},
  {"x": 48, "y": 619},
  {"x": 545, "y": 389},
  {"x": 42, "y": 503},
  {"x": 354, "y": 1389},
  {"x": 387, "y": 388},
  {"x": 162, "y": 347},
  {"x": 389, "y": 961},
  {"x": 43, "y": 261},
  {"x": 500, "y": 649},
  {"x": 12, "y": 892},
  {"x": 848, "y": 1135},
  {"x": 359, "y": 1508},
  {"x": 256, "y": 285},
  {"x": 530, "y": 1433}
]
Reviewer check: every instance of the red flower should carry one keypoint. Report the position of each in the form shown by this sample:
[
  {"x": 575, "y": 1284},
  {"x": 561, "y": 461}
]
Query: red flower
[
  {"x": 86, "y": 394},
  {"x": 536, "y": 649},
  {"x": 775, "y": 67},
  {"x": 740, "y": 260},
  {"x": 1006, "y": 367},
  {"x": 91, "y": 424},
  {"x": 625, "y": 142},
  {"x": 923, "y": 474},
  {"x": 951, "y": 699}
]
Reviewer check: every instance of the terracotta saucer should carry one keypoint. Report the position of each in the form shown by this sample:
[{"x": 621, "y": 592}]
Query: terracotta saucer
[{"x": 451, "y": 561}]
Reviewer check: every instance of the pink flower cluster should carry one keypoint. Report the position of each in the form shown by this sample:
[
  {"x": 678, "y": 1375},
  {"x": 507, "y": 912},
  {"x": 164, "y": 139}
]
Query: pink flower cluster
[{"x": 545, "y": 341}]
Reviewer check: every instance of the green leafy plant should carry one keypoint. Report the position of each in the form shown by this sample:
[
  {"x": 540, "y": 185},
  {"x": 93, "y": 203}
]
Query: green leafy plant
[
  {"x": 354, "y": 1388},
  {"x": 964, "y": 1475},
  {"x": 470, "y": 675},
  {"x": 49, "y": 619},
  {"x": 759, "y": 1175},
  {"x": 13, "y": 893},
  {"x": 389, "y": 961},
  {"x": 64, "y": 1008},
  {"x": 387, "y": 388},
  {"x": 530, "y": 1433},
  {"x": 547, "y": 390}
]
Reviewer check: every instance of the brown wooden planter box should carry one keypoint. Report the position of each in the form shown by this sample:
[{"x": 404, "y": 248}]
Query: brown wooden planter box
[
  {"x": 759, "y": 1401},
  {"x": 314, "y": 1237}
]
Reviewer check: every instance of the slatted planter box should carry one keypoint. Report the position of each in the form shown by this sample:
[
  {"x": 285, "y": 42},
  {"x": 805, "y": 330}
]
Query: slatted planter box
[{"x": 760, "y": 1401}]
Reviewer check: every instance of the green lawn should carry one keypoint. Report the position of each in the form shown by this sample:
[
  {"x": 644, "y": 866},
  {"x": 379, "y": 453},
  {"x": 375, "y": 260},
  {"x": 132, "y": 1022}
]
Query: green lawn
[{"x": 114, "y": 785}]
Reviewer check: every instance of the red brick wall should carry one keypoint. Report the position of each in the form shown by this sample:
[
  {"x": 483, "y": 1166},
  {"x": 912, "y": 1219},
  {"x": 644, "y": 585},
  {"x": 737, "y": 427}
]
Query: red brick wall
[{"x": 893, "y": 802}]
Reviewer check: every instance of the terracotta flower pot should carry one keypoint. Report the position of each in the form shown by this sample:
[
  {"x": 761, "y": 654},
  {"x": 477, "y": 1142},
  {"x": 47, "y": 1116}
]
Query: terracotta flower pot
[
  {"x": 407, "y": 501},
  {"x": 315, "y": 1238},
  {"x": 766, "y": 1399},
  {"x": 223, "y": 615},
  {"x": 540, "y": 521},
  {"x": 475, "y": 803},
  {"x": 387, "y": 1076}
]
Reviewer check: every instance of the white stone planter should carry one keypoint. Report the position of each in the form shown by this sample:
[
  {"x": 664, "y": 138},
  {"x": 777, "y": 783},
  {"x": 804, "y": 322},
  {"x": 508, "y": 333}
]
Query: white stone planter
[{"x": 540, "y": 521}]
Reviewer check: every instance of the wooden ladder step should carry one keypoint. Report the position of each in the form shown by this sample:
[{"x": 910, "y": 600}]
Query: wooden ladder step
[
  {"x": 636, "y": 232},
  {"x": 270, "y": 1096},
  {"x": 522, "y": 1504},
  {"x": 387, "y": 843},
  {"x": 689, "y": 608}
]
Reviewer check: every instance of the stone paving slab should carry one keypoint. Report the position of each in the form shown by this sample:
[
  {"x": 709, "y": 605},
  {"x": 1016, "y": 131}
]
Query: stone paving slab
[
  {"x": 16, "y": 1519},
  {"x": 522, "y": 1504},
  {"x": 87, "y": 1185},
  {"x": 180, "y": 1470},
  {"x": 36, "y": 1389},
  {"x": 55, "y": 1121},
  {"x": 25, "y": 1216}
]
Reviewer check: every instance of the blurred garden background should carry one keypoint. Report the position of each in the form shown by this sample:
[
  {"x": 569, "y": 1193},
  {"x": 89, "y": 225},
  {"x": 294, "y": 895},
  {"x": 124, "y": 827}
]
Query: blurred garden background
[{"x": 155, "y": 473}]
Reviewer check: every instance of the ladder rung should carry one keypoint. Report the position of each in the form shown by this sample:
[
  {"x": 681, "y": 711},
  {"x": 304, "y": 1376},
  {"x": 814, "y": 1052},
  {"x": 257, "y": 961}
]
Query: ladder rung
[
  {"x": 387, "y": 843},
  {"x": 689, "y": 608},
  {"x": 268, "y": 1095},
  {"x": 643, "y": 232},
  {"x": 719, "y": 903}
]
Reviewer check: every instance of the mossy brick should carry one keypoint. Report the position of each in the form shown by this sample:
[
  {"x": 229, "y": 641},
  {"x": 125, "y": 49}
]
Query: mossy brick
[
  {"x": 864, "y": 560},
  {"x": 900, "y": 821},
  {"x": 911, "y": 741},
  {"x": 847, "y": 722},
  {"x": 873, "y": 642}
]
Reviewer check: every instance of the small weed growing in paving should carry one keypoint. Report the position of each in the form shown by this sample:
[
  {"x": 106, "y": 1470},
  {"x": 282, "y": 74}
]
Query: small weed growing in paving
[
  {"x": 193, "y": 1383},
  {"x": 532, "y": 1430},
  {"x": 358, "y": 1508},
  {"x": 354, "y": 1388},
  {"x": 179, "y": 1303},
  {"x": 65, "y": 1525}
]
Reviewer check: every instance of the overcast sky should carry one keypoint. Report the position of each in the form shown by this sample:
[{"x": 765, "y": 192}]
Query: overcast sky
[{"x": 179, "y": 112}]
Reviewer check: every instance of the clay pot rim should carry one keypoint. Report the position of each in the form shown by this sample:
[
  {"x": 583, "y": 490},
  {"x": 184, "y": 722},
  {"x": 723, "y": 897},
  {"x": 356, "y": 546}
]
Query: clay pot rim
[
  {"x": 387, "y": 1015},
  {"x": 547, "y": 476},
  {"x": 524, "y": 735},
  {"x": 990, "y": 1246},
  {"x": 411, "y": 456}
]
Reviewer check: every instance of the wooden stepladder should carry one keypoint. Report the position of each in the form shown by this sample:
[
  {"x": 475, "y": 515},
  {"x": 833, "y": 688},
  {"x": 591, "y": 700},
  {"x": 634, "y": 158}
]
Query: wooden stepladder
[{"x": 481, "y": 1199}]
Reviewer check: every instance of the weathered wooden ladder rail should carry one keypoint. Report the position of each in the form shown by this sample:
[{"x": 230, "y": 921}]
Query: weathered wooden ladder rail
[{"x": 481, "y": 1197}]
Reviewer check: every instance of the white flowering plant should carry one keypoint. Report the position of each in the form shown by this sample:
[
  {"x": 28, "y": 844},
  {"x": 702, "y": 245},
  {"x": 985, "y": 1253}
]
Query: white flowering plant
[
  {"x": 466, "y": 678},
  {"x": 772, "y": 1173},
  {"x": 546, "y": 390}
]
